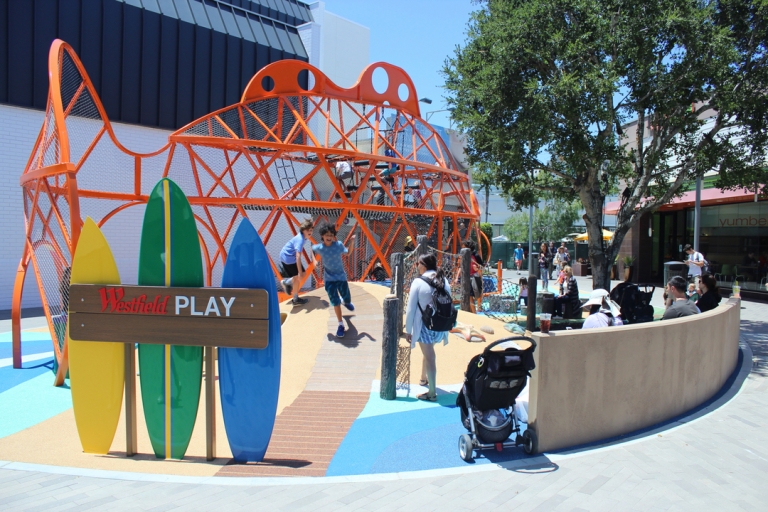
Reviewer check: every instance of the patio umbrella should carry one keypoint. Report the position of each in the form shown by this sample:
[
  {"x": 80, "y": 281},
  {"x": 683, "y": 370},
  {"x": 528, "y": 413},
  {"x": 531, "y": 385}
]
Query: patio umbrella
[{"x": 607, "y": 235}]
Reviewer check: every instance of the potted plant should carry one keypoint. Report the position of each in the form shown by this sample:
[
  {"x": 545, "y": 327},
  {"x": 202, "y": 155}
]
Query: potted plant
[{"x": 628, "y": 261}]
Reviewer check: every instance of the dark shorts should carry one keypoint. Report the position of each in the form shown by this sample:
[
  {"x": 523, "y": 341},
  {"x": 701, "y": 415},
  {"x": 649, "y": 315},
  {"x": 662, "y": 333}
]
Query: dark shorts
[
  {"x": 477, "y": 286},
  {"x": 338, "y": 292},
  {"x": 289, "y": 269}
]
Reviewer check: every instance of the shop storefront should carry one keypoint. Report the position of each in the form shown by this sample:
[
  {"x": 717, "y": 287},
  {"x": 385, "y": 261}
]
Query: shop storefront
[{"x": 733, "y": 239}]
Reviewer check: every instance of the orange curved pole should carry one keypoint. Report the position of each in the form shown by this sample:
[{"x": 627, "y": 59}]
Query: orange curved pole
[{"x": 18, "y": 291}]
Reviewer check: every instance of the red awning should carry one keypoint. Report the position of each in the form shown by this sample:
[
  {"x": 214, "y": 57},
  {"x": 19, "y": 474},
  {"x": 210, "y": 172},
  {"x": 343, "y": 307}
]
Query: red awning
[{"x": 709, "y": 197}]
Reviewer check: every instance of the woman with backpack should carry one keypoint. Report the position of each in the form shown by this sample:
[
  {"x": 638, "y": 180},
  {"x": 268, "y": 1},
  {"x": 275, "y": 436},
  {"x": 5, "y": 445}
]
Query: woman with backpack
[{"x": 422, "y": 305}]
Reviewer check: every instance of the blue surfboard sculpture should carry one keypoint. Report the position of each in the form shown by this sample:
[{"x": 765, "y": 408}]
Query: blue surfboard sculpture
[{"x": 249, "y": 379}]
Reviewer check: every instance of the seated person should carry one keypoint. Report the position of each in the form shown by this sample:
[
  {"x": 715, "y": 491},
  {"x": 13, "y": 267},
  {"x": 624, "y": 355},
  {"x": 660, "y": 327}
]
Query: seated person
[
  {"x": 392, "y": 166},
  {"x": 691, "y": 293},
  {"x": 680, "y": 305},
  {"x": 749, "y": 260},
  {"x": 750, "y": 266},
  {"x": 571, "y": 295},
  {"x": 343, "y": 170},
  {"x": 603, "y": 312},
  {"x": 378, "y": 273},
  {"x": 710, "y": 293}
]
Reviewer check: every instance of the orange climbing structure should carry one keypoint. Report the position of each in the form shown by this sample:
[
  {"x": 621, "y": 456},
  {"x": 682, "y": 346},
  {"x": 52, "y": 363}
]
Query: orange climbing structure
[{"x": 360, "y": 158}]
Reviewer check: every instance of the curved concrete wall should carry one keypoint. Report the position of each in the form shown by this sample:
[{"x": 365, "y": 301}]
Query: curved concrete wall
[{"x": 600, "y": 383}]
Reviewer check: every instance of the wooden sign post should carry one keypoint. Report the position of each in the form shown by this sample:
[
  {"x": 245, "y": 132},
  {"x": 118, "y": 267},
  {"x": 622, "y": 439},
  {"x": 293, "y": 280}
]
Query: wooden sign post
[{"x": 201, "y": 317}]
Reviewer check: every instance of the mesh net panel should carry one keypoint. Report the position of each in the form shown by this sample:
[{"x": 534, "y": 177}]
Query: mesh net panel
[
  {"x": 47, "y": 152},
  {"x": 152, "y": 169},
  {"x": 501, "y": 306},
  {"x": 266, "y": 111},
  {"x": 107, "y": 169},
  {"x": 231, "y": 118}
]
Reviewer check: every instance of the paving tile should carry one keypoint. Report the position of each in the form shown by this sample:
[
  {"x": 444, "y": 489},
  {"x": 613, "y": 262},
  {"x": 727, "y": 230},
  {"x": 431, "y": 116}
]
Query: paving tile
[{"x": 594, "y": 484}]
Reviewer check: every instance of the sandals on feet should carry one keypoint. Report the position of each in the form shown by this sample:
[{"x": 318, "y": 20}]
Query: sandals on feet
[
  {"x": 427, "y": 398},
  {"x": 424, "y": 383}
]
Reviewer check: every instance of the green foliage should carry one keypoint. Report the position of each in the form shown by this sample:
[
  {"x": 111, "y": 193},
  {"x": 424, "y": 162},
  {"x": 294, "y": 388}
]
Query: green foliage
[
  {"x": 628, "y": 261},
  {"x": 551, "y": 222},
  {"x": 542, "y": 88},
  {"x": 483, "y": 177},
  {"x": 487, "y": 229}
]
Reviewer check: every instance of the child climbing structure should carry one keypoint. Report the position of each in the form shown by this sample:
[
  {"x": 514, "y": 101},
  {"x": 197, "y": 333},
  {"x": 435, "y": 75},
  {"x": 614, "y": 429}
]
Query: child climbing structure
[{"x": 360, "y": 158}]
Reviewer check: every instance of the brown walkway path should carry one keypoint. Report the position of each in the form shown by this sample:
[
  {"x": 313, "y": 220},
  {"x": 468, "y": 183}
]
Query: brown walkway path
[{"x": 309, "y": 431}]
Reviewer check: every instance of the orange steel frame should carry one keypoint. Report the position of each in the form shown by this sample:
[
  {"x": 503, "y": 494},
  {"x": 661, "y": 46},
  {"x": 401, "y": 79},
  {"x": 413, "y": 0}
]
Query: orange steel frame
[{"x": 313, "y": 127}]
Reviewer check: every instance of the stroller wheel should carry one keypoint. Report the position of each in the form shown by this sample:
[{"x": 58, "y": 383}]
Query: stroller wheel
[
  {"x": 530, "y": 444},
  {"x": 465, "y": 448}
]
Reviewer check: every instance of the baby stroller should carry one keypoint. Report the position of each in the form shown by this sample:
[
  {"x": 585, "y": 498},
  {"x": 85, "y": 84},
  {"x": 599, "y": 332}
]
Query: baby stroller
[
  {"x": 492, "y": 382},
  {"x": 635, "y": 303}
]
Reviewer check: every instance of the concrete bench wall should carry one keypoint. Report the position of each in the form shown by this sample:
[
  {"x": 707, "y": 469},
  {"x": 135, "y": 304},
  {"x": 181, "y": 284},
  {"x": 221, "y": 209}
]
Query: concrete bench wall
[{"x": 600, "y": 383}]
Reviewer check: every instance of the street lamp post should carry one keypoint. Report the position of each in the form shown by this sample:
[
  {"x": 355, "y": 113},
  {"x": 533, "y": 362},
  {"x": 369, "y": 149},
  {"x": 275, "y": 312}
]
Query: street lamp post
[{"x": 450, "y": 118}]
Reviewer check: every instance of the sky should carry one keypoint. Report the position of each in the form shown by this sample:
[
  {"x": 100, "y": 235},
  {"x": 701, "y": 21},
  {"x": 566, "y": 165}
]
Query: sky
[{"x": 416, "y": 35}]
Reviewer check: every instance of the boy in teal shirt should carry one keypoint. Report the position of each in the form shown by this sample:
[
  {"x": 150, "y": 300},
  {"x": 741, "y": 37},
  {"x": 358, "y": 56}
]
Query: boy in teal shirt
[{"x": 333, "y": 272}]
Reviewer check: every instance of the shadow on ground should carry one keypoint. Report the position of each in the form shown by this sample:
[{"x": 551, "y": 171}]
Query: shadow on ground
[
  {"x": 352, "y": 337},
  {"x": 754, "y": 333}
]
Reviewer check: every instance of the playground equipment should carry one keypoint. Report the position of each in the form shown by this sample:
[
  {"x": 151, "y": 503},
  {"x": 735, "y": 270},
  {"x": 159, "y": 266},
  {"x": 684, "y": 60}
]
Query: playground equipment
[{"x": 359, "y": 157}]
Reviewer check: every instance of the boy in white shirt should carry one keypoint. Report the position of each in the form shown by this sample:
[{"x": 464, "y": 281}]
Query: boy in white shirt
[{"x": 695, "y": 262}]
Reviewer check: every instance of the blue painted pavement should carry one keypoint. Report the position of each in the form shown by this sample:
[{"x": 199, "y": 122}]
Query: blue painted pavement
[{"x": 407, "y": 435}]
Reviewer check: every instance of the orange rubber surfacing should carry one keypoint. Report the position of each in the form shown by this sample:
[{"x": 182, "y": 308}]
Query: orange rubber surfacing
[{"x": 360, "y": 158}]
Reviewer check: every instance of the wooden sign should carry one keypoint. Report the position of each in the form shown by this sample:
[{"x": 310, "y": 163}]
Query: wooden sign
[{"x": 207, "y": 317}]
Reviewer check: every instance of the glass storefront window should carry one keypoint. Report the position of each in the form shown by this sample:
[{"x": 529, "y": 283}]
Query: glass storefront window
[{"x": 734, "y": 239}]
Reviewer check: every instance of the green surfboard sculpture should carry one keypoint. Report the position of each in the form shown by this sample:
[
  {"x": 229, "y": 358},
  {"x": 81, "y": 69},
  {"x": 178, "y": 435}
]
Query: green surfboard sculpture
[{"x": 170, "y": 375}]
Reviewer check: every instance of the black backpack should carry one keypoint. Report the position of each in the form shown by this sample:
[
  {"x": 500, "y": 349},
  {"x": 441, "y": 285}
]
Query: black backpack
[{"x": 440, "y": 315}]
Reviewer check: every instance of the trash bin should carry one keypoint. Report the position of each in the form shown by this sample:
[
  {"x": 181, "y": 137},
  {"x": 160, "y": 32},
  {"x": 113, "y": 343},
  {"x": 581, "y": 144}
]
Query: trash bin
[
  {"x": 533, "y": 265},
  {"x": 545, "y": 302},
  {"x": 674, "y": 268}
]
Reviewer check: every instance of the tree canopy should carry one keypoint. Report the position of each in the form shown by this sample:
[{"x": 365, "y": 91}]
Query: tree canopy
[
  {"x": 551, "y": 222},
  {"x": 575, "y": 98}
]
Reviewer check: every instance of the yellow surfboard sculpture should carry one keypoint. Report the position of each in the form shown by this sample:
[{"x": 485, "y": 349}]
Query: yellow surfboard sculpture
[{"x": 96, "y": 369}]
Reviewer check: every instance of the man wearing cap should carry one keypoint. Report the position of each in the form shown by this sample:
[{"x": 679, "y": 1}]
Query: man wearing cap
[
  {"x": 603, "y": 312},
  {"x": 519, "y": 258},
  {"x": 681, "y": 306}
]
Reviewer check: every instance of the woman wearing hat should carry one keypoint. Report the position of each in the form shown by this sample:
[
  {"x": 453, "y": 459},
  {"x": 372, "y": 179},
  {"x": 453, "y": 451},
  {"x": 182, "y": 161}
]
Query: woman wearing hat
[{"x": 603, "y": 312}]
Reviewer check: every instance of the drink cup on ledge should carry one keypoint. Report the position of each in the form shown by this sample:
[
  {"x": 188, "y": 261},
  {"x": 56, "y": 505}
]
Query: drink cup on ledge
[{"x": 546, "y": 321}]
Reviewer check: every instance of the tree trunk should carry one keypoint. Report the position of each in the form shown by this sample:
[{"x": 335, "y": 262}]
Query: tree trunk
[
  {"x": 466, "y": 279},
  {"x": 602, "y": 253},
  {"x": 593, "y": 200},
  {"x": 487, "y": 200},
  {"x": 389, "y": 342}
]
